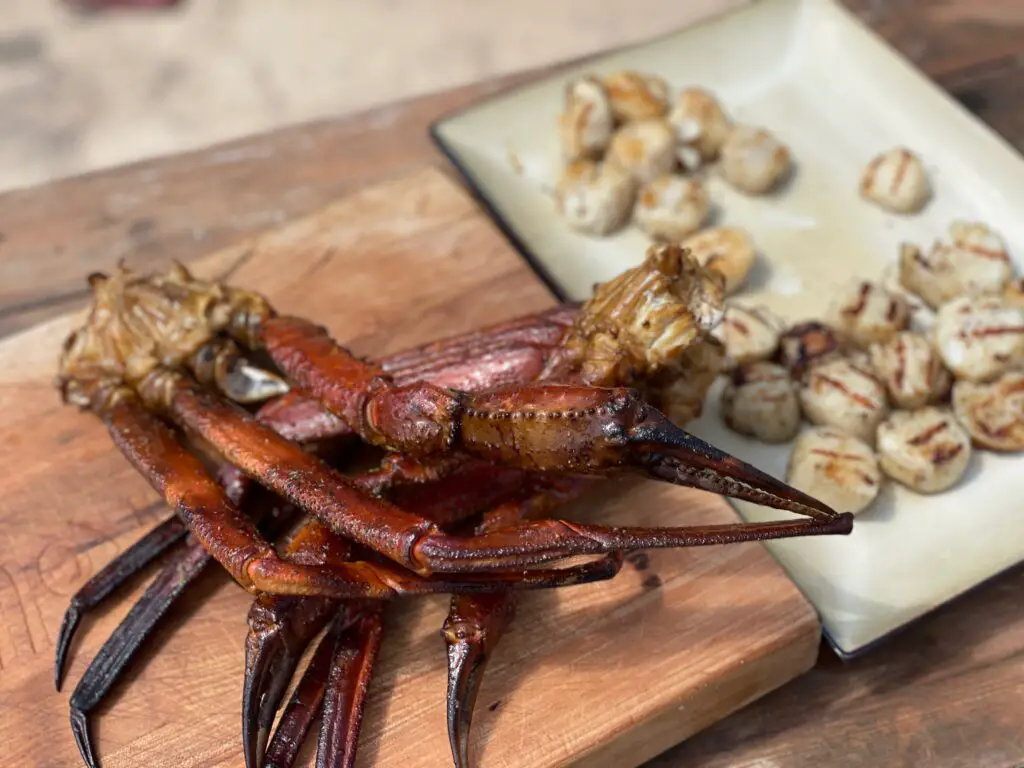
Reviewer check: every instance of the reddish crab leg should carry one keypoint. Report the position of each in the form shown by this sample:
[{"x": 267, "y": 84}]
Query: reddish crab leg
[
  {"x": 183, "y": 568},
  {"x": 114, "y": 575},
  {"x": 304, "y": 705},
  {"x": 625, "y": 432},
  {"x": 475, "y": 623},
  {"x": 347, "y": 684},
  {"x": 281, "y": 627},
  {"x": 223, "y": 530}
]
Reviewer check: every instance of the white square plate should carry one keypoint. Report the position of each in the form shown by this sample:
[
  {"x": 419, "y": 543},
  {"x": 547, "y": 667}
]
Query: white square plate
[{"x": 836, "y": 94}]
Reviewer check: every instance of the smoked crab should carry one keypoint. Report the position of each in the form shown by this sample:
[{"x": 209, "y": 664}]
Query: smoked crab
[{"x": 484, "y": 436}]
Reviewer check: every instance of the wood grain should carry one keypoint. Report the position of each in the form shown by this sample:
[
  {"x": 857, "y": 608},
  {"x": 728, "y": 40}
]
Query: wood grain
[
  {"x": 945, "y": 694},
  {"x": 603, "y": 675}
]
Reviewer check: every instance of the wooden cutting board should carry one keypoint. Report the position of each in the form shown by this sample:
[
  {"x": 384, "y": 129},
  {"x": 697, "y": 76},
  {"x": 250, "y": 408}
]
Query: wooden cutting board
[{"x": 607, "y": 674}]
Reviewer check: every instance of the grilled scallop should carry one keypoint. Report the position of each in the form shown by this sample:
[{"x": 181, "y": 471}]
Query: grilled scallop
[
  {"x": 993, "y": 413},
  {"x": 836, "y": 468},
  {"x": 975, "y": 263},
  {"x": 979, "y": 338},
  {"x": 760, "y": 401},
  {"x": 726, "y": 250},
  {"x": 671, "y": 207},
  {"x": 839, "y": 393},
  {"x": 925, "y": 450},
  {"x": 700, "y": 122},
  {"x": 749, "y": 334},
  {"x": 805, "y": 345},
  {"x": 911, "y": 370},
  {"x": 594, "y": 198},
  {"x": 636, "y": 96},
  {"x": 646, "y": 149},
  {"x": 753, "y": 160},
  {"x": 586, "y": 123},
  {"x": 864, "y": 313},
  {"x": 1013, "y": 296},
  {"x": 896, "y": 181}
]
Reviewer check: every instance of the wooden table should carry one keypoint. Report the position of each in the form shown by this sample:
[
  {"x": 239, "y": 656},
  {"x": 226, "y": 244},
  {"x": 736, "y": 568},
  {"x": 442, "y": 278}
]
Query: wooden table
[{"x": 947, "y": 692}]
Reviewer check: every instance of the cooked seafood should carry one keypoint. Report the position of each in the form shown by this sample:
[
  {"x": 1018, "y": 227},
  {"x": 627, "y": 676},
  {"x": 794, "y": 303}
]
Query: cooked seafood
[
  {"x": 586, "y": 123},
  {"x": 805, "y": 345},
  {"x": 166, "y": 350},
  {"x": 726, "y": 250},
  {"x": 835, "y": 465},
  {"x": 863, "y": 313},
  {"x": 700, "y": 122},
  {"x": 636, "y": 96},
  {"x": 896, "y": 180},
  {"x": 671, "y": 207},
  {"x": 595, "y": 198},
  {"x": 645, "y": 149},
  {"x": 911, "y": 370},
  {"x": 760, "y": 400},
  {"x": 993, "y": 412},
  {"x": 749, "y": 333},
  {"x": 979, "y": 338},
  {"x": 840, "y": 394},
  {"x": 925, "y": 449},
  {"x": 975, "y": 263},
  {"x": 753, "y": 160}
]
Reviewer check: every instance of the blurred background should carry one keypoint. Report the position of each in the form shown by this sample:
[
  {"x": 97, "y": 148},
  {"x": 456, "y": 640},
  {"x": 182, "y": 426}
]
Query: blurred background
[{"x": 83, "y": 88}]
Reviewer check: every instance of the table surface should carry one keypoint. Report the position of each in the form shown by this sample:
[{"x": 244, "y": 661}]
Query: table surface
[{"x": 947, "y": 692}]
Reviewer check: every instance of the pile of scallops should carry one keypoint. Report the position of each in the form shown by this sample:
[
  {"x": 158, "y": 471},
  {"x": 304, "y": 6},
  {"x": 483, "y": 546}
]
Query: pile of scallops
[
  {"x": 898, "y": 382},
  {"x": 631, "y": 154},
  {"x": 904, "y": 379}
]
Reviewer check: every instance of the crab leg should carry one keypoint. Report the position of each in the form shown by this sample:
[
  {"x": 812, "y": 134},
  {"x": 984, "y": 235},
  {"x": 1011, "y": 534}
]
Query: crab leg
[
  {"x": 355, "y": 652},
  {"x": 475, "y": 623},
  {"x": 303, "y": 706},
  {"x": 184, "y": 568},
  {"x": 280, "y": 628},
  {"x": 537, "y": 427},
  {"x": 116, "y": 573},
  {"x": 233, "y": 540},
  {"x": 624, "y": 433}
]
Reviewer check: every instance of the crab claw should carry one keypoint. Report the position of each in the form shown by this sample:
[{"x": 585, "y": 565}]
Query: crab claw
[
  {"x": 667, "y": 452},
  {"x": 607, "y": 431}
]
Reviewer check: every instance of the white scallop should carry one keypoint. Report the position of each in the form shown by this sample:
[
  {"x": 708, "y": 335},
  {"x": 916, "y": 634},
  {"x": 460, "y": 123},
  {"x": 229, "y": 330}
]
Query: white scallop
[
  {"x": 700, "y": 122},
  {"x": 760, "y": 401},
  {"x": 646, "y": 149},
  {"x": 726, "y": 250},
  {"x": 636, "y": 96},
  {"x": 594, "y": 198},
  {"x": 950, "y": 271},
  {"x": 911, "y": 370},
  {"x": 863, "y": 313},
  {"x": 586, "y": 123},
  {"x": 993, "y": 412},
  {"x": 979, "y": 338},
  {"x": 925, "y": 449},
  {"x": 753, "y": 160},
  {"x": 836, "y": 468},
  {"x": 896, "y": 181},
  {"x": 838, "y": 393},
  {"x": 748, "y": 333},
  {"x": 671, "y": 207}
]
